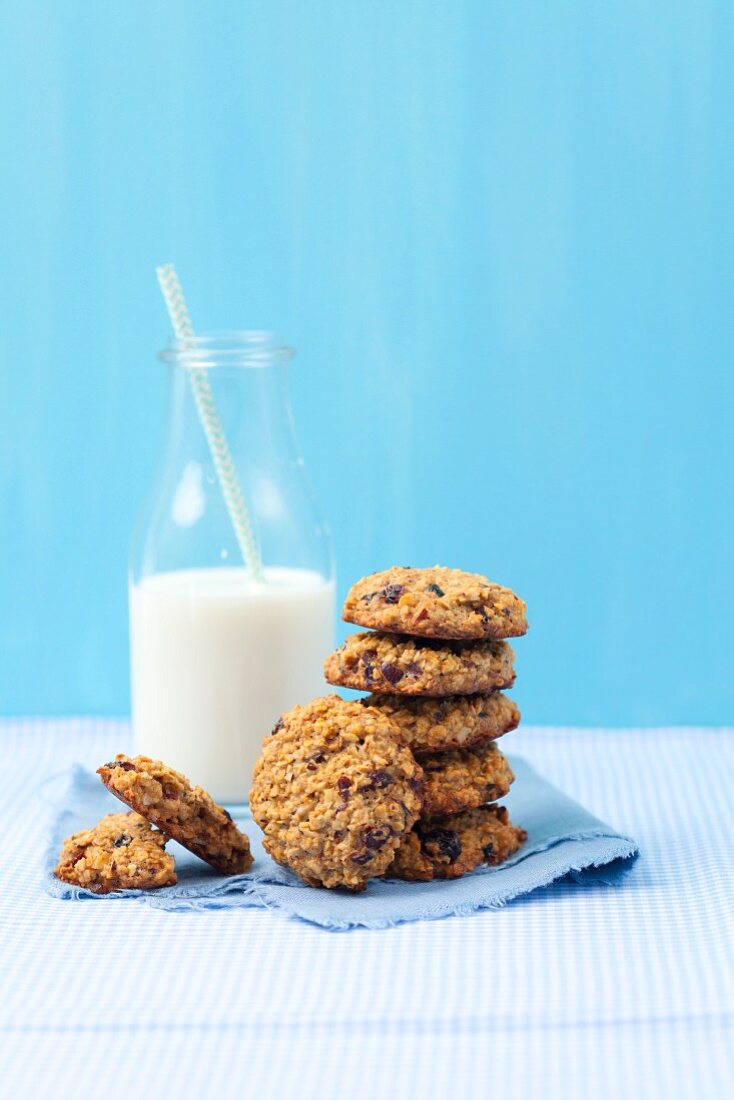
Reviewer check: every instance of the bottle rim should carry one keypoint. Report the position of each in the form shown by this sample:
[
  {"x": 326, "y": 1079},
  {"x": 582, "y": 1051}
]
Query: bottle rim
[{"x": 236, "y": 348}]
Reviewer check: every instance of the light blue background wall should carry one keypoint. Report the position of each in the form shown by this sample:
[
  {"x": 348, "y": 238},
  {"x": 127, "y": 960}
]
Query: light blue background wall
[{"x": 500, "y": 235}]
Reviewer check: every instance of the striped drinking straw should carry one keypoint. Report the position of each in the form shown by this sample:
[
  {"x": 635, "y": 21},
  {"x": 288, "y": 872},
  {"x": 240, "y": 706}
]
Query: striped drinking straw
[{"x": 212, "y": 425}]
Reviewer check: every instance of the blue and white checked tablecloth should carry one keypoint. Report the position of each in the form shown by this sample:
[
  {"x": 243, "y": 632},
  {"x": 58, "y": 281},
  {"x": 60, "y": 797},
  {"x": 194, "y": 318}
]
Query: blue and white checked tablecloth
[{"x": 572, "y": 992}]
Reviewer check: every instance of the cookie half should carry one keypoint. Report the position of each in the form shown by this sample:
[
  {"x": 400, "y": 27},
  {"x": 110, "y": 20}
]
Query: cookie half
[
  {"x": 449, "y": 847},
  {"x": 464, "y": 779},
  {"x": 435, "y": 603},
  {"x": 400, "y": 665},
  {"x": 451, "y": 722},
  {"x": 121, "y": 852},
  {"x": 187, "y": 813},
  {"x": 334, "y": 792}
]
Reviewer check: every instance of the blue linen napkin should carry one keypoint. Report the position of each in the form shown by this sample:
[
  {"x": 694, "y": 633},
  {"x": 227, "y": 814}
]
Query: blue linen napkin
[{"x": 563, "y": 840}]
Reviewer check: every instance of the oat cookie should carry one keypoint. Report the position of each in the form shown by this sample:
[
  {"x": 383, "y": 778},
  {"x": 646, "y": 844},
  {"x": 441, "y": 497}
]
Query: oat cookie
[
  {"x": 448, "y": 847},
  {"x": 435, "y": 603},
  {"x": 464, "y": 779},
  {"x": 186, "y": 813},
  {"x": 121, "y": 852},
  {"x": 335, "y": 791},
  {"x": 397, "y": 664},
  {"x": 452, "y": 722}
]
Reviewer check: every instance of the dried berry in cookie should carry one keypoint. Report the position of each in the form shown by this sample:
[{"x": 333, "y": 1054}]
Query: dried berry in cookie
[
  {"x": 186, "y": 813},
  {"x": 435, "y": 603},
  {"x": 397, "y": 664},
  {"x": 335, "y": 791},
  {"x": 451, "y": 846},
  {"x": 451, "y": 722},
  {"x": 464, "y": 779},
  {"x": 121, "y": 852}
]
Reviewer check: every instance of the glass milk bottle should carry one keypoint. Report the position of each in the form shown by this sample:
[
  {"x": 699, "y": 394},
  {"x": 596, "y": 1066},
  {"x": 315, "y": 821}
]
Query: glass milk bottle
[{"x": 216, "y": 653}]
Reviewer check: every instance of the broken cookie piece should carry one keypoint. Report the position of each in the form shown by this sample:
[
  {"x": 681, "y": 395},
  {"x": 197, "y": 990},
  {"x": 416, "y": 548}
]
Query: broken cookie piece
[{"x": 121, "y": 852}]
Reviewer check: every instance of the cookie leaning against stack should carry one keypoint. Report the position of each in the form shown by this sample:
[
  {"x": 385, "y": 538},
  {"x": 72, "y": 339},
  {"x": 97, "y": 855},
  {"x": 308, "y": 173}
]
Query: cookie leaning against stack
[
  {"x": 436, "y": 661},
  {"x": 335, "y": 792}
]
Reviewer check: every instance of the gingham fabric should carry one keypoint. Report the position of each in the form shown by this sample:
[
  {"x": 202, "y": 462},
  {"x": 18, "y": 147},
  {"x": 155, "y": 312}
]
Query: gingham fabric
[{"x": 569, "y": 992}]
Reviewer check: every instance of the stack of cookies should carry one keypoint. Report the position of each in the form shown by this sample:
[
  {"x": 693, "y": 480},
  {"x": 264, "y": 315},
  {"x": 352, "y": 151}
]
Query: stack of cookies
[
  {"x": 401, "y": 783},
  {"x": 436, "y": 661}
]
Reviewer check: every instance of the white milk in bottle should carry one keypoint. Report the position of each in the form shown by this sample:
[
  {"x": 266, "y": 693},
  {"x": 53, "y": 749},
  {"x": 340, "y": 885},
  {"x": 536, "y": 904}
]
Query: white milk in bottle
[{"x": 216, "y": 660}]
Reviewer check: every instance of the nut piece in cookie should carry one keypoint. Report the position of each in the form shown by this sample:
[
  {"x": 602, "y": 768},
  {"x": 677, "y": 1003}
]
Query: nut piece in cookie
[
  {"x": 186, "y": 813},
  {"x": 463, "y": 779},
  {"x": 335, "y": 791},
  {"x": 451, "y": 722},
  {"x": 435, "y": 603},
  {"x": 451, "y": 846},
  {"x": 121, "y": 852},
  {"x": 397, "y": 664}
]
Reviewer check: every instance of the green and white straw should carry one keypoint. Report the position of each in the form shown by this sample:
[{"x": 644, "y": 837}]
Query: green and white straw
[{"x": 212, "y": 425}]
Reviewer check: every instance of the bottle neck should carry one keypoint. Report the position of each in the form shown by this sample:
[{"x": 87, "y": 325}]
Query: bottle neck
[
  {"x": 231, "y": 451},
  {"x": 252, "y": 406},
  {"x": 233, "y": 384}
]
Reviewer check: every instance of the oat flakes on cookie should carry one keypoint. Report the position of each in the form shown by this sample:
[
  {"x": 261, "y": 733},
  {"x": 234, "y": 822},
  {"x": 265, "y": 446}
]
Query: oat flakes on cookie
[
  {"x": 335, "y": 791},
  {"x": 401, "y": 665},
  {"x": 435, "y": 603},
  {"x": 121, "y": 852},
  {"x": 463, "y": 779},
  {"x": 451, "y": 722},
  {"x": 187, "y": 813},
  {"x": 451, "y": 846}
]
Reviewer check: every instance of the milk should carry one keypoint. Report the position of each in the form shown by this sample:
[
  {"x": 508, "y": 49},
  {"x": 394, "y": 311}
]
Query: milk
[{"x": 216, "y": 660}]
